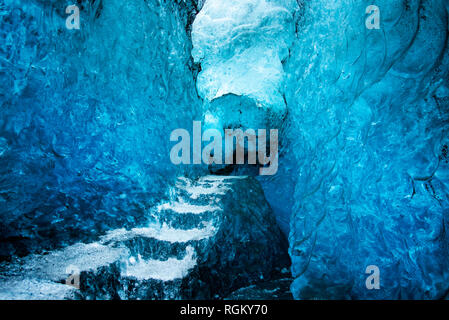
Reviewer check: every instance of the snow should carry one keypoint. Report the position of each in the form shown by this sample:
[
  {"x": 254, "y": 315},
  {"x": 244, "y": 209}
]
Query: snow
[
  {"x": 183, "y": 207},
  {"x": 167, "y": 270},
  {"x": 164, "y": 233},
  {"x": 33, "y": 289},
  {"x": 53, "y": 265},
  {"x": 198, "y": 189}
]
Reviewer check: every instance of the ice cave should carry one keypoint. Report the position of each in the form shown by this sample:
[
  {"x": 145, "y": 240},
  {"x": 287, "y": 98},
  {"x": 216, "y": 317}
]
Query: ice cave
[{"x": 97, "y": 97}]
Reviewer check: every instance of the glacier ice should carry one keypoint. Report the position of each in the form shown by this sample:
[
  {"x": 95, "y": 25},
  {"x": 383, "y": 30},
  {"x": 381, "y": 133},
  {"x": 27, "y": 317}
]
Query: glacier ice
[
  {"x": 241, "y": 46},
  {"x": 362, "y": 175},
  {"x": 85, "y": 116},
  {"x": 362, "y": 114},
  {"x": 368, "y": 136}
]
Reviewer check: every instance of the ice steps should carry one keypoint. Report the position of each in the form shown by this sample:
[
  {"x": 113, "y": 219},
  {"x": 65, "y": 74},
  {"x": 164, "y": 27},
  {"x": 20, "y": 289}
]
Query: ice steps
[{"x": 156, "y": 257}]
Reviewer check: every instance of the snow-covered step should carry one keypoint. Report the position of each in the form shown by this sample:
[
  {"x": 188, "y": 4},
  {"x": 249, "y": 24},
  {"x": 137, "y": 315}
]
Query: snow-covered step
[
  {"x": 43, "y": 276},
  {"x": 53, "y": 265},
  {"x": 164, "y": 233},
  {"x": 187, "y": 213},
  {"x": 19, "y": 288},
  {"x": 202, "y": 188},
  {"x": 214, "y": 178},
  {"x": 165, "y": 270},
  {"x": 159, "y": 243},
  {"x": 139, "y": 276},
  {"x": 185, "y": 207}
]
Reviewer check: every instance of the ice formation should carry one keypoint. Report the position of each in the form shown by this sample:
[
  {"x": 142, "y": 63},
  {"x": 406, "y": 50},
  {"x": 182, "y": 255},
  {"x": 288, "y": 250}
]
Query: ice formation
[
  {"x": 363, "y": 171},
  {"x": 85, "y": 116},
  {"x": 241, "y": 45},
  {"x": 369, "y": 111},
  {"x": 186, "y": 254},
  {"x": 363, "y": 174}
]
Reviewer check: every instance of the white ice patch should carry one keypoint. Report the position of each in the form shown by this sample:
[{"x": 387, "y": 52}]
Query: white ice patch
[
  {"x": 33, "y": 289},
  {"x": 221, "y": 178},
  {"x": 184, "y": 207},
  {"x": 202, "y": 187},
  {"x": 37, "y": 277},
  {"x": 53, "y": 265},
  {"x": 170, "y": 269},
  {"x": 241, "y": 45},
  {"x": 164, "y": 233}
]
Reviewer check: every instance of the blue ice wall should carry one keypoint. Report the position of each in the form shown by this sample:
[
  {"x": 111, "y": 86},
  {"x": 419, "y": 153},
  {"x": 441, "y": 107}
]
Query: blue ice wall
[
  {"x": 368, "y": 147},
  {"x": 86, "y": 115}
]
